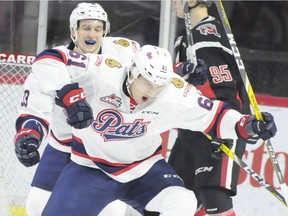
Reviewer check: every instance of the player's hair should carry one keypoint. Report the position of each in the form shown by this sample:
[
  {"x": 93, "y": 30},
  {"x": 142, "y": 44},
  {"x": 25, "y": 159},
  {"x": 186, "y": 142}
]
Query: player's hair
[{"x": 153, "y": 63}]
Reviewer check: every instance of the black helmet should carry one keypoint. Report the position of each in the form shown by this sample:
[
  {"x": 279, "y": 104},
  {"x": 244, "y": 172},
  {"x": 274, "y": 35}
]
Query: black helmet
[{"x": 208, "y": 3}]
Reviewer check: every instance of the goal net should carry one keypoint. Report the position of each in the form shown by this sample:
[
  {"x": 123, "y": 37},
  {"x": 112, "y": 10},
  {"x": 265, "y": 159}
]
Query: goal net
[{"x": 15, "y": 178}]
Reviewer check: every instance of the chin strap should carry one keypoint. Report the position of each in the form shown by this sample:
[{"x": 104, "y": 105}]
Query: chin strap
[{"x": 190, "y": 8}]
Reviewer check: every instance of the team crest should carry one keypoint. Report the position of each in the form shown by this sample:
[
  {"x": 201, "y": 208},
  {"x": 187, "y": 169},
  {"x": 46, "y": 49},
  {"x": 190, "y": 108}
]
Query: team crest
[
  {"x": 178, "y": 83},
  {"x": 112, "y": 63},
  {"x": 208, "y": 29},
  {"x": 112, "y": 99},
  {"x": 111, "y": 125},
  {"x": 122, "y": 42}
]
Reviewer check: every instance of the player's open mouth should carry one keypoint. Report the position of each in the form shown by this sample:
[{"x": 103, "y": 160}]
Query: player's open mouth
[
  {"x": 90, "y": 42},
  {"x": 144, "y": 99}
]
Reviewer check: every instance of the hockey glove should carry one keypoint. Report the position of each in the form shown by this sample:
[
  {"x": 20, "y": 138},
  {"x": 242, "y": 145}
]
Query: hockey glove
[
  {"x": 195, "y": 76},
  {"x": 251, "y": 129},
  {"x": 27, "y": 142},
  {"x": 79, "y": 112},
  {"x": 217, "y": 153}
]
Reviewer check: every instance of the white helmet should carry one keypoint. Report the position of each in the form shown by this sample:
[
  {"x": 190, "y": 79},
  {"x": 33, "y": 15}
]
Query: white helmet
[
  {"x": 154, "y": 64},
  {"x": 89, "y": 11}
]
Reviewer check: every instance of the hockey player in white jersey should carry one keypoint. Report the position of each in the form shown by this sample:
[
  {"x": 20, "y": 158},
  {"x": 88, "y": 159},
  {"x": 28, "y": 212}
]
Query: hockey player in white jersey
[
  {"x": 89, "y": 25},
  {"x": 116, "y": 151}
]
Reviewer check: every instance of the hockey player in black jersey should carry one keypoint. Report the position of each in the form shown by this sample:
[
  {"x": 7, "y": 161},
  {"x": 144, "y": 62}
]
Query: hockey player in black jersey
[{"x": 213, "y": 180}]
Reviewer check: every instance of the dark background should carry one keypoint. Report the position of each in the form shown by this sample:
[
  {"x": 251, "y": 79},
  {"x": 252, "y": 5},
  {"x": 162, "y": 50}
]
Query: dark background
[{"x": 260, "y": 29}]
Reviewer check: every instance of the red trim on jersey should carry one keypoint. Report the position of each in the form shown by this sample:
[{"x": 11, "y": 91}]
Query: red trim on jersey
[
  {"x": 215, "y": 117},
  {"x": 64, "y": 57},
  {"x": 133, "y": 104},
  {"x": 28, "y": 115},
  {"x": 66, "y": 142},
  {"x": 127, "y": 166},
  {"x": 99, "y": 161},
  {"x": 224, "y": 171},
  {"x": 136, "y": 163},
  {"x": 78, "y": 139},
  {"x": 240, "y": 100},
  {"x": 26, "y": 132},
  {"x": 48, "y": 57},
  {"x": 207, "y": 90},
  {"x": 220, "y": 119}
]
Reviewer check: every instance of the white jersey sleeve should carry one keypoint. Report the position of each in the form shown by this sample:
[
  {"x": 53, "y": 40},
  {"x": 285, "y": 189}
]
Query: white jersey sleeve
[
  {"x": 125, "y": 141},
  {"x": 118, "y": 47},
  {"x": 51, "y": 70},
  {"x": 121, "y": 48}
]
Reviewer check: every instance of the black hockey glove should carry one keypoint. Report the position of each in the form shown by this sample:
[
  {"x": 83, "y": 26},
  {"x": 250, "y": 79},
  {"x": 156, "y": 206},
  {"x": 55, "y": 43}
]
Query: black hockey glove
[
  {"x": 79, "y": 112},
  {"x": 195, "y": 76},
  {"x": 251, "y": 129},
  {"x": 27, "y": 142},
  {"x": 217, "y": 153}
]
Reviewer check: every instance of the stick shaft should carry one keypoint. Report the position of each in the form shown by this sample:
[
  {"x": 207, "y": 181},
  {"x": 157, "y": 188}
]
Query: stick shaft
[
  {"x": 252, "y": 173},
  {"x": 250, "y": 92},
  {"x": 191, "y": 53}
]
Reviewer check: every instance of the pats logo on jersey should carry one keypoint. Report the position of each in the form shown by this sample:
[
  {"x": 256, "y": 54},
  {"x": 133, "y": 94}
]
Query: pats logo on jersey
[
  {"x": 178, "y": 83},
  {"x": 112, "y": 63},
  {"x": 208, "y": 28},
  {"x": 112, "y": 99},
  {"x": 110, "y": 125},
  {"x": 122, "y": 42}
]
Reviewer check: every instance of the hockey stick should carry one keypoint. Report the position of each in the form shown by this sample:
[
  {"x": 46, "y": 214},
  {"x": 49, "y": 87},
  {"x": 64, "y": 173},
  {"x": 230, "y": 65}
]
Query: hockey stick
[
  {"x": 251, "y": 172},
  {"x": 191, "y": 53},
  {"x": 250, "y": 92}
]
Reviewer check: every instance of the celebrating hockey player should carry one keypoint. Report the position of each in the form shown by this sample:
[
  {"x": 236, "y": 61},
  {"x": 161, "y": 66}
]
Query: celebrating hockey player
[
  {"x": 213, "y": 189},
  {"x": 117, "y": 119},
  {"x": 89, "y": 25}
]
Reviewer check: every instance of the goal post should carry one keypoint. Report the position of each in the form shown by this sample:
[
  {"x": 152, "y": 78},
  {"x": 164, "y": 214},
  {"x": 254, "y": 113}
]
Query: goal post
[{"x": 15, "y": 178}]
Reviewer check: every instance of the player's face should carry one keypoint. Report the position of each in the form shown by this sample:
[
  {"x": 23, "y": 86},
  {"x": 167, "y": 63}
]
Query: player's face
[
  {"x": 179, "y": 6},
  {"x": 89, "y": 35},
  {"x": 142, "y": 90}
]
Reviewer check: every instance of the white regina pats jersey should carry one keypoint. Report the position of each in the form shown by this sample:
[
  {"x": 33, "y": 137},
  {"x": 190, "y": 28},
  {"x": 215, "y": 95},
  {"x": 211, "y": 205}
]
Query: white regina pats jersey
[
  {"x": 124, "y": 140},
  {"x": 54, "y": 68}
]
